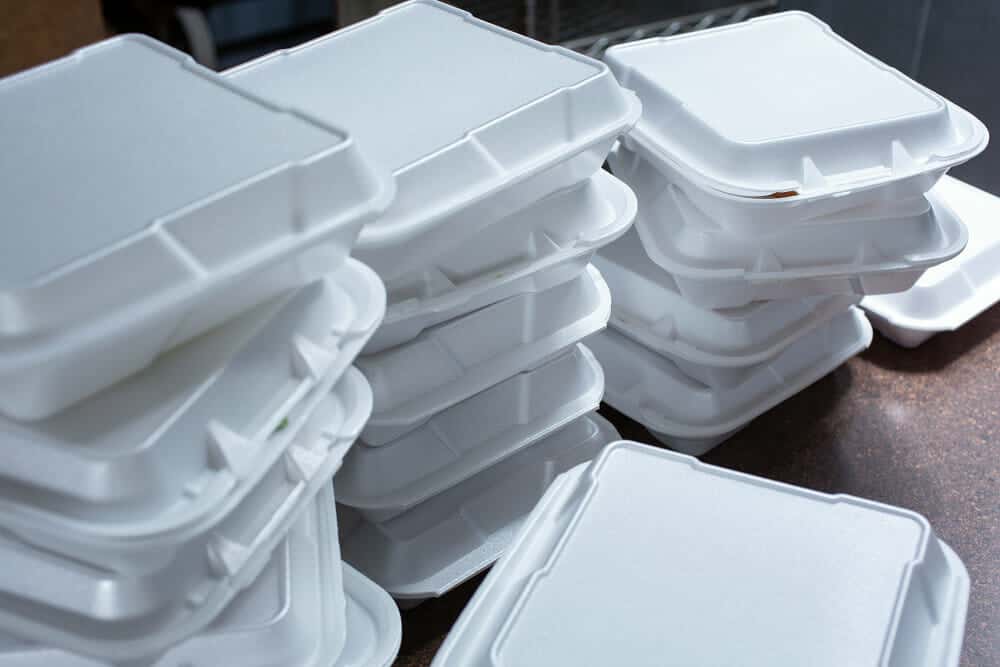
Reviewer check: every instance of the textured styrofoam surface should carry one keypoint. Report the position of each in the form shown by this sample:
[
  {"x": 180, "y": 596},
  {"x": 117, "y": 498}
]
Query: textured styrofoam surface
[
  {"x": 292, "y": 615},
  {"x": 867, "y": 250},
  {"x": 446, "y": 540},
  {"x": 145, "y": 465},
  {"x": 452, "y": 361},
  {"x": 712, "y": 567},
  {"x": 129, "y": 234},
  {"x": 133, "y": 617},
  {"x": 692, "y": 417},
  {"x": 464, "y": 154},
  {"x": 949, "y": 295},
  {"x": 467, "y": 438},
  {"x": 648, "y": 307},
  {"x": 548, "y": 242},
  {"x": 834, "y": 118}
]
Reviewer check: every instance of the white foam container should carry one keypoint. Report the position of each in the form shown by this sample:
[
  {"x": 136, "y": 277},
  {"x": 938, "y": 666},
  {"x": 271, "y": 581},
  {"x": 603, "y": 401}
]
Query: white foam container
[
  {"x": 949, "y": 295},
  {"x": 305, "y": 609},
  {"x": 455, "y": 444},
  {"x": 453, "y": 361},
  {"x": 692, "y": 417},
  {"x": 67, "y": 604},
  {"x": 546, "y": 243},
  {"x": 728, "y": 569},
  {"x": 439, "y": 544},
  {"x": 374, "y": 628},
  {"x": 294, "y": 613},
  {"x": 465, "y": 155},
  {"x": 836, "y": 126},
  {"x": 124, "y": 479},
  {"x": 717, "y": 347},
  {"x": 153, "y": 239},
  {"x": 867, "y": 250}
]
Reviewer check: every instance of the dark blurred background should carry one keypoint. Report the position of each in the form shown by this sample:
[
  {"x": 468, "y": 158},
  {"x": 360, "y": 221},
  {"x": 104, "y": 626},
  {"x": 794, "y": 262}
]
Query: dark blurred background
[{"x": 952, "y": 46}]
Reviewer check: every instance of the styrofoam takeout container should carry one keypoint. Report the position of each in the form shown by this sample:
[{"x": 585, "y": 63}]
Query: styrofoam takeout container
[
  {"x": 712, "y": 567},
  {"x": 305, "y": 609},
  {"x": 475, "y": 122},
  {"x": 433, "y": 547},
  {"x": 374, "y": 628},
  {"x": 866, "y": 250},
  {"x": 692, "y": 417},
  {"x": 544, "y": 244},
  {"x": 125, "y": 478},
  {"x": 451, "y": 362},
  {"x": 69, "y": 605},
  {"x": 153, "y": 238},
  {"x": 949, "y": 295},
  {"x": 834, "y": 127},
  {"x": 467, "y": 438},
  {"x": 718, "y": 346},
  {"x": 293, "y": 614}
]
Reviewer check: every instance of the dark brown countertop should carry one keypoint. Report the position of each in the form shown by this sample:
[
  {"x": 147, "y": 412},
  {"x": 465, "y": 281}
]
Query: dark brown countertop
[{"x": 915, "y": 428}]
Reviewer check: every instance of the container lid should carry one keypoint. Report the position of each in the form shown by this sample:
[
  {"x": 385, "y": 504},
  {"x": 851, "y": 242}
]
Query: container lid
[
  {"x": 458, "y": 109},
  {"x": 497, "y": 262},
  {"x": 712, "y": 567},
  {"x": 781, "y": 104},
  {"x": 467, "y": 438},
  {"x": 127, "y": 133},
  {"x": 452, "y": 361},
  {"x": 136, "y": 615},
  {"x": 949, "y": 295},
  {"x": 168, "y": 450},
  {"x": 879, "y": 238},
  {"x": 648, "y": 307},
  {"x": 652, "y": 390},
  {"x": 446, "y": 540}
]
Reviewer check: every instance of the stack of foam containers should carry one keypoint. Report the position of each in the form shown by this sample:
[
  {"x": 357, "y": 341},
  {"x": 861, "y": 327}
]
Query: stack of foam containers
[
  {"x": 178, "y": 322},
  {"x": 482, "y": 390},
  {"x": 782, "y": 174}
]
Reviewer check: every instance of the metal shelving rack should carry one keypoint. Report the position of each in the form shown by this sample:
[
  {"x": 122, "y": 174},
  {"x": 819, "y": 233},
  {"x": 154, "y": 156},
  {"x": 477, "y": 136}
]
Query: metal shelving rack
[{"x": 595, "y": 45}]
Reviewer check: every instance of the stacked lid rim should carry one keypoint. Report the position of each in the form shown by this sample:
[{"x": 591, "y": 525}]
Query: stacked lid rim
[{"x": 809, "y": 136}]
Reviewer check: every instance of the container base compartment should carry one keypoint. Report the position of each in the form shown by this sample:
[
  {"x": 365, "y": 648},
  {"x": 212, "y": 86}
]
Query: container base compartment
[
  {"x": 694, "y": 417},
  {"x": 455, "y": 360},
  {"x": 446, "y": 540},
  {"x": 950, "y": 295}
]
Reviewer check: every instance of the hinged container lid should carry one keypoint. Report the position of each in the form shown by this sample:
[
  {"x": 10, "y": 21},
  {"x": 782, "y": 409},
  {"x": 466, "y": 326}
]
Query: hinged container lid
[
  {"x": 781, "y": 104},
  {"x": 647, "y": 557}
]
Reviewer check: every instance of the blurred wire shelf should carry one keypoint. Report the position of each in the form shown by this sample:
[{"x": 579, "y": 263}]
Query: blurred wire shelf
[{"x": 596, "y": 45}]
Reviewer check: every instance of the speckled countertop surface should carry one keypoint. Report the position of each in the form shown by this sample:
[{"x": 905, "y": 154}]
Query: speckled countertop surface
[{"x": 915, "y": 428}]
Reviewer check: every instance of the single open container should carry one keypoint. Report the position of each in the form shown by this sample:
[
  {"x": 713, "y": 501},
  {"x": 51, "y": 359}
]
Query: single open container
[
  {"x": 712, "y": 567},
  {"x": 724, "y": 344},
  {"x": 546, "y": 243},
  {"x": 65, "y": 603},
  {"x": 453, "y": 361},
  {"x": 474, "y": 121},
  {"x": 692, "y": 417},
  {"x": 834, "y": 124},
  {"x": 136, "y": 220},
  {"x": 949, "y": 295},
  {"x": 305, "y": 609},
  {"x": 433, "y": 547},
  {"x": 471, "y": 436},
  {"x": 125, "y": 478},
  {"x": 867, "y": 250}
]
